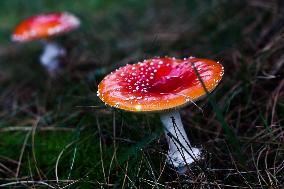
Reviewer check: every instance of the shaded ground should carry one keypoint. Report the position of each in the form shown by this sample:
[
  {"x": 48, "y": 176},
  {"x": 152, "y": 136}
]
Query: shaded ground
[{"x": 57, "y": 132}]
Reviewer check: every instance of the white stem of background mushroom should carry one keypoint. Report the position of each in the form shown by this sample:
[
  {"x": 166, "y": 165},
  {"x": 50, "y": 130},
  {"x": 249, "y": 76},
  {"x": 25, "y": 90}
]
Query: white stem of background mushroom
[
  {"x": 180, "y": 153},
  {"x": 50, "y": 56}
]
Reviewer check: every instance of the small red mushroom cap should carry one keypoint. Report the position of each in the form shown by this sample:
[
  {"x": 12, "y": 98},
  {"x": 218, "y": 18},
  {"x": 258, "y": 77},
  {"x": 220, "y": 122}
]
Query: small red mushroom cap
[
  {"x": 44, "y": 26},
  {"x": 159, "y": 84}
]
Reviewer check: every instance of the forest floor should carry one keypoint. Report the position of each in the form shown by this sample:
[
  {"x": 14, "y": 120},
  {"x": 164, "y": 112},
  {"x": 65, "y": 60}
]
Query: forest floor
[{"x": 56, "y": 133}]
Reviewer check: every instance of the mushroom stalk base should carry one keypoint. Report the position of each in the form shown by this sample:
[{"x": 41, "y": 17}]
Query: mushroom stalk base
[
  {"x": 50, "y": 56},
  {"x": 180, "y": 153}
]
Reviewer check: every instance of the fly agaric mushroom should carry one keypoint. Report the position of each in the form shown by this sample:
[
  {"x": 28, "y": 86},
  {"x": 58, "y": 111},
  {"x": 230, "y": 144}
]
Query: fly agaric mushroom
[
  {"x": 163, "y": 85},
  {"x": 43, "y": 27}
]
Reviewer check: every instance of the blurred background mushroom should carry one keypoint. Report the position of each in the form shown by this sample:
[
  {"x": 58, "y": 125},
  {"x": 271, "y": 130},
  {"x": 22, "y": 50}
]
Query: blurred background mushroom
[{"x": 45, "y": 27}]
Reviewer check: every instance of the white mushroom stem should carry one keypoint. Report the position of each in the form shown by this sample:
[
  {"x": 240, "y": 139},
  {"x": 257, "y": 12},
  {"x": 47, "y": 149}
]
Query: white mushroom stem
[
  {"x": 50, "y": 56},
  {"x": 180, "y": 153}
]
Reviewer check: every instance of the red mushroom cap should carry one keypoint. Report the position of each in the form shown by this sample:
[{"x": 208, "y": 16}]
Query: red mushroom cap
[
  {"x": 159, "y": 84},
  {"x": 45, "y": 25}
]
